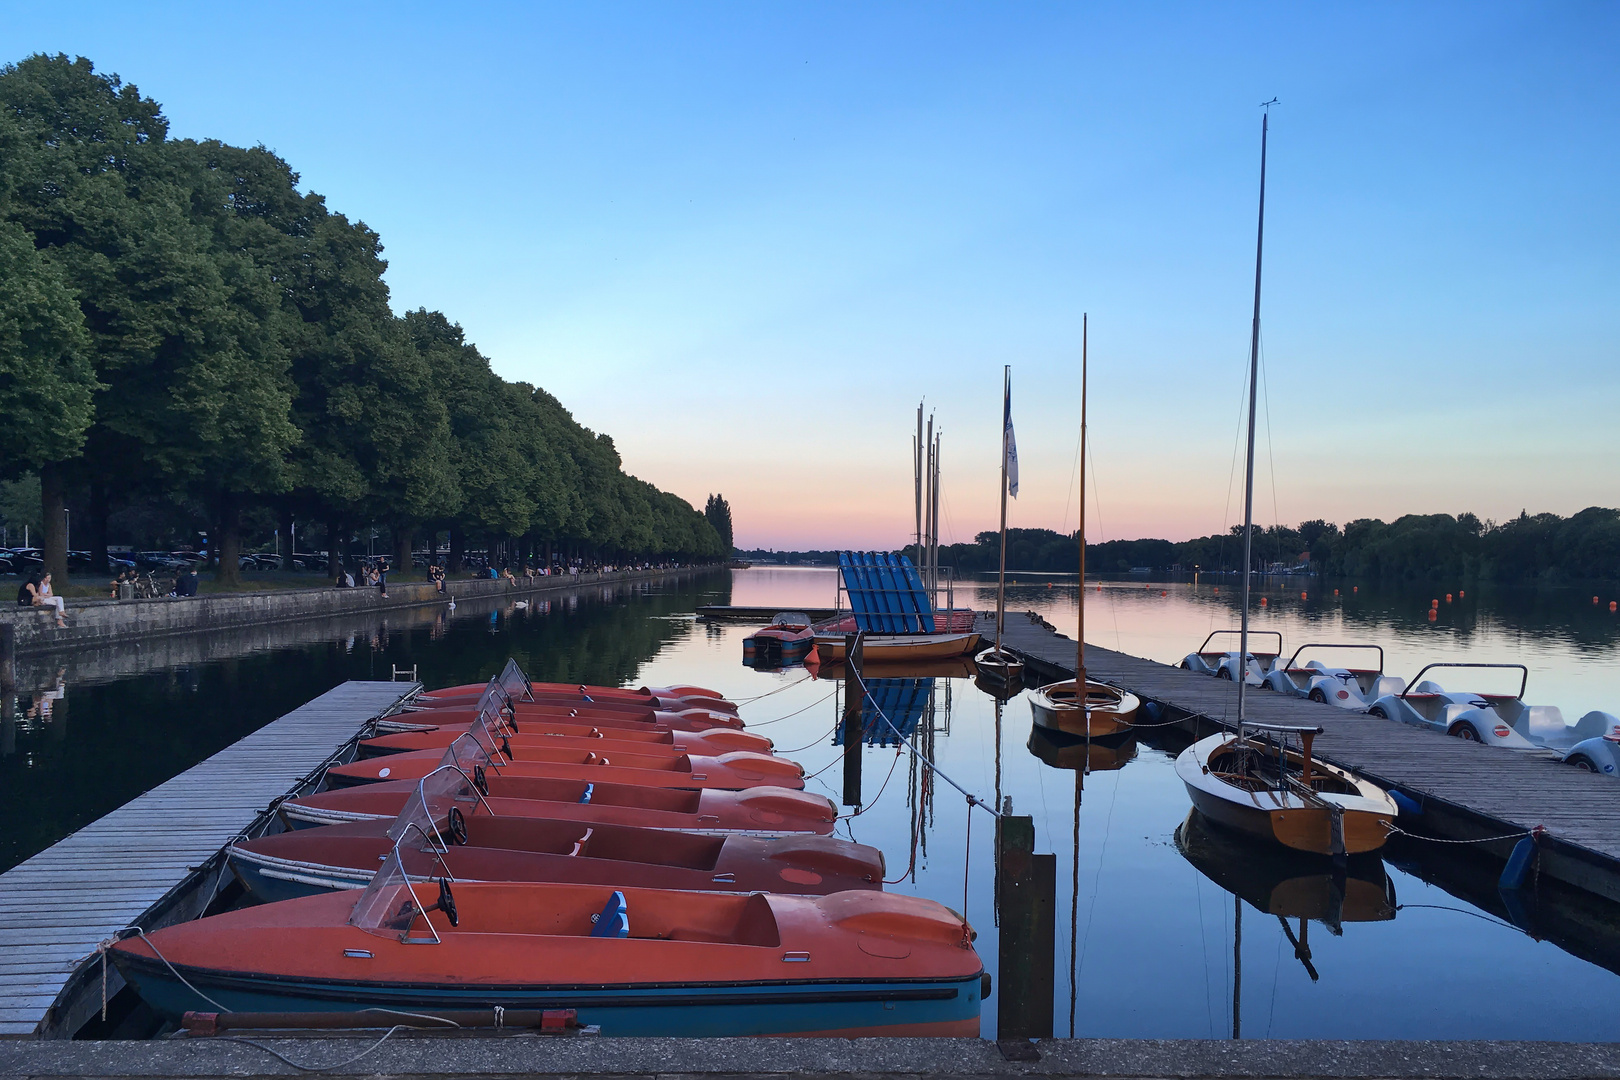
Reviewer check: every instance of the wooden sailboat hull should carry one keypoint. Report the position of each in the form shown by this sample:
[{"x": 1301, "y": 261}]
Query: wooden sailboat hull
[
  {"x": 1279, "y": 815},
  {"x": 1110, "y": 710},
  {"x": 998, "y": 665},
  {"x": 899, "y": 648}
]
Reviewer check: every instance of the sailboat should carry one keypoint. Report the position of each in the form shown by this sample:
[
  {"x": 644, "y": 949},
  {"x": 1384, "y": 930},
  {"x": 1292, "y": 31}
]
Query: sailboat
[
  {"x": 996, "y": 664},
  {"x": 1259, "y": 783},
  {"x": 1099, "y": 709}
]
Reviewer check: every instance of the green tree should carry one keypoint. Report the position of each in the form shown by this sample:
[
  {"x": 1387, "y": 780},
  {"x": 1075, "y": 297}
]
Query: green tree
[{"x": 718, "y": 511}]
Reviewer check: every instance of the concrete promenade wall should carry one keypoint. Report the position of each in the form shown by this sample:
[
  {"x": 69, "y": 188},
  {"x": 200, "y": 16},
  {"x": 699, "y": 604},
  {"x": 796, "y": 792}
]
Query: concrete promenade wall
[{"x": 94, "y": 624}]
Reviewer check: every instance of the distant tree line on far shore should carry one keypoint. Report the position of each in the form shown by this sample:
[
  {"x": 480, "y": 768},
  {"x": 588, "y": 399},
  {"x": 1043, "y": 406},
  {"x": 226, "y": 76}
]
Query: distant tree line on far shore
[
  {"x": 189, "y": 343},
  {"x": 1585, "y": 546},
  {"x": 1543, "y": 547}
]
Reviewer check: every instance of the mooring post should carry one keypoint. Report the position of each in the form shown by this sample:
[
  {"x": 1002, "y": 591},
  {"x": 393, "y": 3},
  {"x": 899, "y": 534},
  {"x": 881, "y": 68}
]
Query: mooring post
[
  {"x": 854, "y": 737},
  {"x": 8, "y": 657},
  {"x": 1026, "y": 893}
]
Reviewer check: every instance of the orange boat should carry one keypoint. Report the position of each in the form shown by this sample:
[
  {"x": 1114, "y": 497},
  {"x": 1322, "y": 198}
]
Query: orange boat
[
  {"x": 731, "y": 771},
  {"x": 768, "y": 810},
  {"x": 602, "y": 740},
  {"x": 636, "y": 962},
  {"x": 637, "y": 719},
  {"x": 485, "y": 848}
]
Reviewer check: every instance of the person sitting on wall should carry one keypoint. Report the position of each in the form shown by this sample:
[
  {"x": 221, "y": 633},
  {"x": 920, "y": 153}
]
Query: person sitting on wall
[
  {"x": 36, "y": 592},
  {"x": 187, "y": 583}
]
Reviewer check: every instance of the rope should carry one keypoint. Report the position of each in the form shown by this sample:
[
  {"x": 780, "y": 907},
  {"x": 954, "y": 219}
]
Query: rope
[
  {"x": 795, "y": 712},
  {"x": 880, "y": 792},
  {"x": 973, "y": 800},
  {"x": 815, "y": 742},
  {"x": 761, "y": 697},
  {"x": 1395, "y": 830}
]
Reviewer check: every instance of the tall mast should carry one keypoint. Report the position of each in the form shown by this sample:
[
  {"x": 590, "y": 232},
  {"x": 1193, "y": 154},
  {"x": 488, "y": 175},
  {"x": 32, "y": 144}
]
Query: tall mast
[
  {"x": 1248, "y": 471},
  {"x": 917, "y": 455},
  {"x": 1080, "y": 631},
  {"x": 1001, "y": 586}
]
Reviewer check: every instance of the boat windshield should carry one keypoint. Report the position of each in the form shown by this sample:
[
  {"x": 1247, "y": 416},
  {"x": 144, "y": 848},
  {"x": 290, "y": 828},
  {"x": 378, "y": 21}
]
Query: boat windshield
[
  {"x": 796, "y": 620},
  {"x": 392, "y": 903},
  {"x": 513, "y": 682},
  {"x": 426, "y": 814},
  {"x": 470, "y": 756}
]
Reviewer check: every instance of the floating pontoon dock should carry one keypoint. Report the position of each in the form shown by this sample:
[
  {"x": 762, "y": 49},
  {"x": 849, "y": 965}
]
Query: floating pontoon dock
[
  {"x": 1468, "y": 791},
  {"x": 155, "y": 858}
]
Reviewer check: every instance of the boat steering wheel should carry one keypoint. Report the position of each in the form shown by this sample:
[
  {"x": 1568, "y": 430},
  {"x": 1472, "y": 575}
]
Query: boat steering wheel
[
  {"x": 447, "y": 902},
  {"x": 458, "y": 825},
  {"x": 480, "y": 781}
]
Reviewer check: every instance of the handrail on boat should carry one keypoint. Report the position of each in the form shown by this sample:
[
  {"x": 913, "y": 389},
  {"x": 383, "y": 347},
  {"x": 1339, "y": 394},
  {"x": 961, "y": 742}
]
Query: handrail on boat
[
  {"x": 1284, "y": 729},
  {"x": 1334, "y": 645},
  {"x": 1252, "y": 633},
  {"x": 1524, "y": 679}
]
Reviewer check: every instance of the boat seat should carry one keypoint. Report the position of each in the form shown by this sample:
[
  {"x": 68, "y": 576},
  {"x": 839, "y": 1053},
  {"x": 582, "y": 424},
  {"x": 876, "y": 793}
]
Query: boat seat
[
  {"x": 614, "y": 920},
  {"x": 586, "y": 797}
]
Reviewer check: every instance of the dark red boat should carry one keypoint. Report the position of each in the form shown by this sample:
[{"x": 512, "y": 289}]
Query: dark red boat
[
  {"x": 770, "y": 810},
  {"x": 604, "y": 740},
  {"x": 731, "y": 771},
  {"x": 307, "y": 861}
]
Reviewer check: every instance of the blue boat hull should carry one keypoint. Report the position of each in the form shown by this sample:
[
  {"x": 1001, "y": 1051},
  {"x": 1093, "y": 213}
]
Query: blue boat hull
[{"x": 947, "y": 1007}]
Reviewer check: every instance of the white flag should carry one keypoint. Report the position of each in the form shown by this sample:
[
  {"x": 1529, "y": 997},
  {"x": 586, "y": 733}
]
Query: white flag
[{"x": 1010, "y": 444}]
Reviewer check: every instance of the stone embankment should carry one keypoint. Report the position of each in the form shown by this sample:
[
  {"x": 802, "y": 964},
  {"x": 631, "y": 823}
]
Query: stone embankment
[{"x": 98, "y": 623}]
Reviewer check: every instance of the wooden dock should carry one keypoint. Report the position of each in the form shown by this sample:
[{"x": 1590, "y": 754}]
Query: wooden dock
[
  {"x": 1469, "y": 791},
  {"x": 155, "y": 857}
]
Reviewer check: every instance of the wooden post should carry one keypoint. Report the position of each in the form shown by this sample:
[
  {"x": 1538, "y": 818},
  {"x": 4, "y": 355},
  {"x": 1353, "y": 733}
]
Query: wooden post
[
  {"x": 1026, "y": 894},
  {"x": 854, "y": 737},
  {"x": 8, "y": 657}
]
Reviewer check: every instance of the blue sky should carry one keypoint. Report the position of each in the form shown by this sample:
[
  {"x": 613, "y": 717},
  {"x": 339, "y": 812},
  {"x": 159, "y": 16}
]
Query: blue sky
[{"x": 746, "y": 239}]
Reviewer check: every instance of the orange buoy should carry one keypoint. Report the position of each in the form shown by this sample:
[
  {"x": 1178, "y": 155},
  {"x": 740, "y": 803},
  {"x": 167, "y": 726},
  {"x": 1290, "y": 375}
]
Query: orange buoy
[
  {"x": 1448, "y": 598},
  {"x": 1433, "y": 604},
  {"x": 1335, "y": 592},
  {"x": 1302, "y": 596},
  {"x": 1217, "y": 588},
  {"x": 1262, "y": 601},
  {"x": 1164, "y": 592},
  {"x": 1613, "y": 605},
  {"x": 1461, "y": 594},
  {"x": 1434, "y": 613},
  {"x": 1355, "y": 588}
]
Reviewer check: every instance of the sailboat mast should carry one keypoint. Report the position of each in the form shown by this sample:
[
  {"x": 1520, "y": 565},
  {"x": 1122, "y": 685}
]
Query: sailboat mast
[
  {"x": 1001, "y": 585},
  {"x": 1248, "y": 471},
  {"x": 1080, "y": 630},
  {"x": 917, "y": 455}
]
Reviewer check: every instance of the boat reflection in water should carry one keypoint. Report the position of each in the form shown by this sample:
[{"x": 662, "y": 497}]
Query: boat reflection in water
[
  {"x": 1289, "y": 885},
  {"x": 1083, "y": 755}
]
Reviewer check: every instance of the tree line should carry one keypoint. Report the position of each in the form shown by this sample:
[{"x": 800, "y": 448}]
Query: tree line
[
  {"x": 1544, "y": 547},
  {"x": 187, "y": 336}
]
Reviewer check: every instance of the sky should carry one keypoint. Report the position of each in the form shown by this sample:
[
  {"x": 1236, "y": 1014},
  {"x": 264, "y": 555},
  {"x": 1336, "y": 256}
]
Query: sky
[{"x": 746, "y": 240}]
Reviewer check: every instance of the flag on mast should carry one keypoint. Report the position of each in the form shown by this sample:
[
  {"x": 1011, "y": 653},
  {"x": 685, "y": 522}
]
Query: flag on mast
[{"x": 1009, "y": 443}]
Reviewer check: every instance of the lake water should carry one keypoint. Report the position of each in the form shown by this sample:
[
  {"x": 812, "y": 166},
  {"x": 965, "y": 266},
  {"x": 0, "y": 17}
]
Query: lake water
[{"x": 1149, "y": 941}]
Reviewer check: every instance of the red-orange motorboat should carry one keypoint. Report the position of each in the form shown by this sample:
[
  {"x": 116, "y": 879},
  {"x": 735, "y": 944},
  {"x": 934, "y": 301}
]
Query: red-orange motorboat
[
  {"x": 661, "y": 720},
  {"x": 770, "y": 810},
  {"x": 730, "y": 771},
  {"x": 635, "y": 962},
  {"x": 606, "y": 740},
  {"x": 478, "y": 847}
]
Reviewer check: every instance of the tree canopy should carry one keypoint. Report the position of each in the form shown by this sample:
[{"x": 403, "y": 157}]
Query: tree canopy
[{"x": 182, "y": 329}]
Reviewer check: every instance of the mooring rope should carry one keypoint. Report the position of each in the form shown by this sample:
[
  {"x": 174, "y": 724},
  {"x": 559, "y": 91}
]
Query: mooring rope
[{"x": 973, "y": 800}]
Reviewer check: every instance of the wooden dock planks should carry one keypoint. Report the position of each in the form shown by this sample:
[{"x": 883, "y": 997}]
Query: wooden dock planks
[
  {"x": 1519, "y": 789},
  {"x": 58, "y": 906}
]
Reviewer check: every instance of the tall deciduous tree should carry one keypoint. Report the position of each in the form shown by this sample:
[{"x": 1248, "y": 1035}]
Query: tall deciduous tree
[
  {"x": 46, "y": 378},
  {"x": 718, "y": 511}
]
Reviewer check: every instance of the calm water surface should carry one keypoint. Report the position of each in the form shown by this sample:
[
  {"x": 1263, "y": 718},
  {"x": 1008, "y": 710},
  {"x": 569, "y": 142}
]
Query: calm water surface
[{"x": 1147, "y": 938}]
